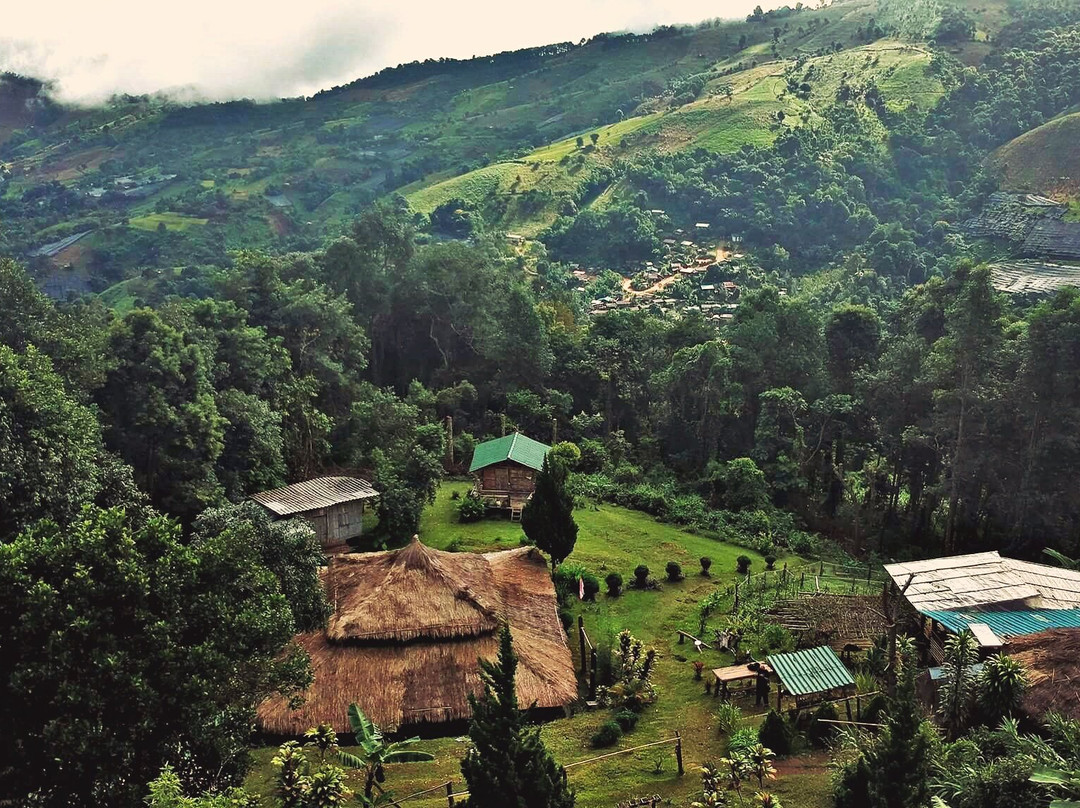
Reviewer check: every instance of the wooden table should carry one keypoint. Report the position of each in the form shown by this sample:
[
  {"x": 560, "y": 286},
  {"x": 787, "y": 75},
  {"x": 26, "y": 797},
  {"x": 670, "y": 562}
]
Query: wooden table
[{"x": 736, "y": 673}]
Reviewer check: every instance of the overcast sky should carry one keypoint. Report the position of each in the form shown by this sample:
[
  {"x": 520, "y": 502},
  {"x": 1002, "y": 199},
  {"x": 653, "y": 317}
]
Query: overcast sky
[{"x": 269, "y": 48}]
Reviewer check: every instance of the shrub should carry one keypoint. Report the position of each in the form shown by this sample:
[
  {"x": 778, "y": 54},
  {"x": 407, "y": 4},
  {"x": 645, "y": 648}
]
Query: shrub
[
  {"x": 608, "y": 735},
  {"x": 775, "y": 733},
  {"x": 641, "y": 576},
  {"x": 770, "y": 561},
  {"x": 471, "y": 509},
  {"x": 566, "y": 582},
  {"x": 566, "y": 618},
  {"x": 706, "y": 562},
  {"x": 740, "y": 484},
  {"x": 614, "y": 584},
  {"x": 821, "y": 734},
  {"x": 566, "y": 452},
  {"x": 874, "y": 710},
  {"x": 741, "y": 740},
  {"x": 742, "y": 566},
  {"x": 674, "y": 571},
  {"x": 455, "y": 545},
  {"x": 728, "y": 717},
  {"x": 626, "y": 719}
]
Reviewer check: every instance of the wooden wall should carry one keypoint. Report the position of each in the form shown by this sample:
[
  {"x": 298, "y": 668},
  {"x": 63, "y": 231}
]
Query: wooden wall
[
  {"x": 508, "y": 476},
  {"x": 338, "y": 523}
]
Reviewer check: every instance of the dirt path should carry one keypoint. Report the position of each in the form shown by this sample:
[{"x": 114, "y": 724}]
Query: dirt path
[{"x": 664, "y": 283}]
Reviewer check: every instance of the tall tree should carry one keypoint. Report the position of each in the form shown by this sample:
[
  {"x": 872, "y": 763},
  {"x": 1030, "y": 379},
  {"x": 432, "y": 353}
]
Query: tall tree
[
  {"x": 160, "y": 413},
  {"x": 123, "y": 649},
  {"x": 548, "y": 516},
  {"x": 50, "y": 445},
  {"x": 509, "y": 766}
]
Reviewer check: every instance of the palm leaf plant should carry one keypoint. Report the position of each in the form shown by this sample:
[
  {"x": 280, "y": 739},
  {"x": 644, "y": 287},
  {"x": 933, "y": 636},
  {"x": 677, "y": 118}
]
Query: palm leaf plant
[{"x": 376, "y": 754}]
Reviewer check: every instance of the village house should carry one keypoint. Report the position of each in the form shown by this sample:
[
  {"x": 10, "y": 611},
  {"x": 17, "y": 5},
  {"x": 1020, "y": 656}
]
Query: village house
[
  {"x": 408, "y": 629},
  {"x": 997, "y": 599},
  {"x": 333, "y": 506},
  {"x": 505, "y": 471}
]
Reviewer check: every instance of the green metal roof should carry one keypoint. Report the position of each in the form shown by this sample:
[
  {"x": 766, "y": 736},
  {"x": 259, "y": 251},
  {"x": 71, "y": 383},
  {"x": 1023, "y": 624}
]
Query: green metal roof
[
  {"x": 516, "y": 447},
  {"x": 1008, "y": 622},
  {"x": 814, "y": 670}
]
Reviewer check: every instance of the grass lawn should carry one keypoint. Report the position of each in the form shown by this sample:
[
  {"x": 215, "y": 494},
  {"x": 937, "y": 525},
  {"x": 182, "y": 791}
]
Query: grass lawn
[
  {"x": 171, "y": 220},
  {"x": 612, "y": 539}
]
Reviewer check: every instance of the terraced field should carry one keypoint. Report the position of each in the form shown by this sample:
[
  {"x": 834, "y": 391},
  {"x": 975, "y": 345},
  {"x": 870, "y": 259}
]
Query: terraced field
[{"x": 715, "y": 121}]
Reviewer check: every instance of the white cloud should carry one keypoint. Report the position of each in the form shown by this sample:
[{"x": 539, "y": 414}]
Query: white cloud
[{"x": 230, "y": 48}]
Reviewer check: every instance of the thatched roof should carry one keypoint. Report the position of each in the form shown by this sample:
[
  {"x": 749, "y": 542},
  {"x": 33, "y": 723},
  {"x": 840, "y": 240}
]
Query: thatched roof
[
  {"x": 1053, "y": 662},
  {"x": 408, "y": 628}
]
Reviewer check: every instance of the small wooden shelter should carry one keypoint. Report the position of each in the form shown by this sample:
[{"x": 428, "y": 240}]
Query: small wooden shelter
[
  {"x": 505, "y": 471},
  {"x": 333, "y": 505},
  {"x": 408, "y": 629},
  {"x": 811, "y": 676}
]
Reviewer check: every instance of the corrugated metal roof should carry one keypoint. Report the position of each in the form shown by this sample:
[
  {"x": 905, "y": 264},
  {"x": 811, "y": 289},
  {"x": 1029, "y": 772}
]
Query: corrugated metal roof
[
  {"x": 980, "y": 579},
  {"x": 814, "y": 670},
  {"x": 516, "y": 447},
  {"x": 1008, "y": 622},
  {"x": 311, "y": 495}
]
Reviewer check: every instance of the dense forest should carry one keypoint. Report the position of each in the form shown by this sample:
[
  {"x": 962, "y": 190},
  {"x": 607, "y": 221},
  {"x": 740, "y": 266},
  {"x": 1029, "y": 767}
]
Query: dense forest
[{"x": 873, "y": 397}]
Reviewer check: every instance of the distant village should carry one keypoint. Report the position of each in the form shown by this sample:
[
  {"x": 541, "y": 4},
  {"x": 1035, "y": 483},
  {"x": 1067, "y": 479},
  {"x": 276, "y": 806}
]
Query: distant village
[{"x": 698, "y": 273}]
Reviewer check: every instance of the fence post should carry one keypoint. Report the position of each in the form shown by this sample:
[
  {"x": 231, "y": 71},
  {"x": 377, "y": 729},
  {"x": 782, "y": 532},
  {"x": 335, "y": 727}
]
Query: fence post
[
  {"x": 678, "y": 752},
  {"x": 847, "y": 705},
  {"x": 592, "y": 677},
  {"x": 450, "y": 794},
  {"x": 858, "y": 708},
  {"x": 581, "y": 641}
]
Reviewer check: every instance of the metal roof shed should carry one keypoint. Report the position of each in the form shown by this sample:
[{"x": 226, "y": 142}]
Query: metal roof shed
[{"x": 808, "y": 673}]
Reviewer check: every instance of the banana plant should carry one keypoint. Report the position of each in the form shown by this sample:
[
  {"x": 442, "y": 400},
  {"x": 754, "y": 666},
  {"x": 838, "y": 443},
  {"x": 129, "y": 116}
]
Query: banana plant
[
  {"x": 376, "y": 753},
  {"x": 1068, "y": 781}
]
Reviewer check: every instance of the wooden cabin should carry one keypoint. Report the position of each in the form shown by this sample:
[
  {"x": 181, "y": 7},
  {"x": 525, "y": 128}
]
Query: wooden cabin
[
  {"x": 505, "y": 471},
  {"x": 408, "y": 630},
  {"x": 334, "y": 507}
]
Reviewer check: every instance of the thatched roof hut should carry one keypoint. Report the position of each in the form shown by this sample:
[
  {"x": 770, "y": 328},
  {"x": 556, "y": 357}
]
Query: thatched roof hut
[
  {"x": 1053, "y": 662},
  {"x": 408, "y": 628}
]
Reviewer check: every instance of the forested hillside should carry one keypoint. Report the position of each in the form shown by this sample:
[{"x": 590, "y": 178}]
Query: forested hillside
[{"x": 752, "y": 274}]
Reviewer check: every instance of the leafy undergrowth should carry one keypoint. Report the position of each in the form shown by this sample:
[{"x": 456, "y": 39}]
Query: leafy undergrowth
[{"x": 611, "y": 539}]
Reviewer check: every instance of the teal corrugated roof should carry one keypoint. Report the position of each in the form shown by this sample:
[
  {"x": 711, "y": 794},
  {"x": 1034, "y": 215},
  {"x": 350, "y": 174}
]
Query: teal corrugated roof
[
  {"x": 1008, "y": 622},
  {"x": 516, "y": 447},
  {"x": 814, "y": 670}
]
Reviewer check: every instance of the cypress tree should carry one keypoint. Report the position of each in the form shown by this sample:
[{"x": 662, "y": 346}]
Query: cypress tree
[
  {"x": 899, "y": 763},
  {"x": 509, "y": 766},
  {"x": 548, "y": 517}
]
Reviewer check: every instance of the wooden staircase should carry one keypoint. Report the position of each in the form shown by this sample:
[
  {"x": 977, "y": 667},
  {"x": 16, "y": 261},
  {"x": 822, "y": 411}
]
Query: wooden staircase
[{"x": 515, "y": 511}]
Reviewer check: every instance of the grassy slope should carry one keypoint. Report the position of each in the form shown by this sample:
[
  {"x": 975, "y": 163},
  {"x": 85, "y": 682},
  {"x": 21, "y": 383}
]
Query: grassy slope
[
  {"x": 712, "y": 122},
  {"x": 610, "y": 538},
  {"x": 1045, "y": 160}
]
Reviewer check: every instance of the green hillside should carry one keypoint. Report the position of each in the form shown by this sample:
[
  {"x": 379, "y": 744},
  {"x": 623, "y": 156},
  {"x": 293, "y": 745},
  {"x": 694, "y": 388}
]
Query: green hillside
[
  {"x": 526, "y": 194},
  {"x": 497, "y": 132},
  {"x": 1045, "y": 160}
]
